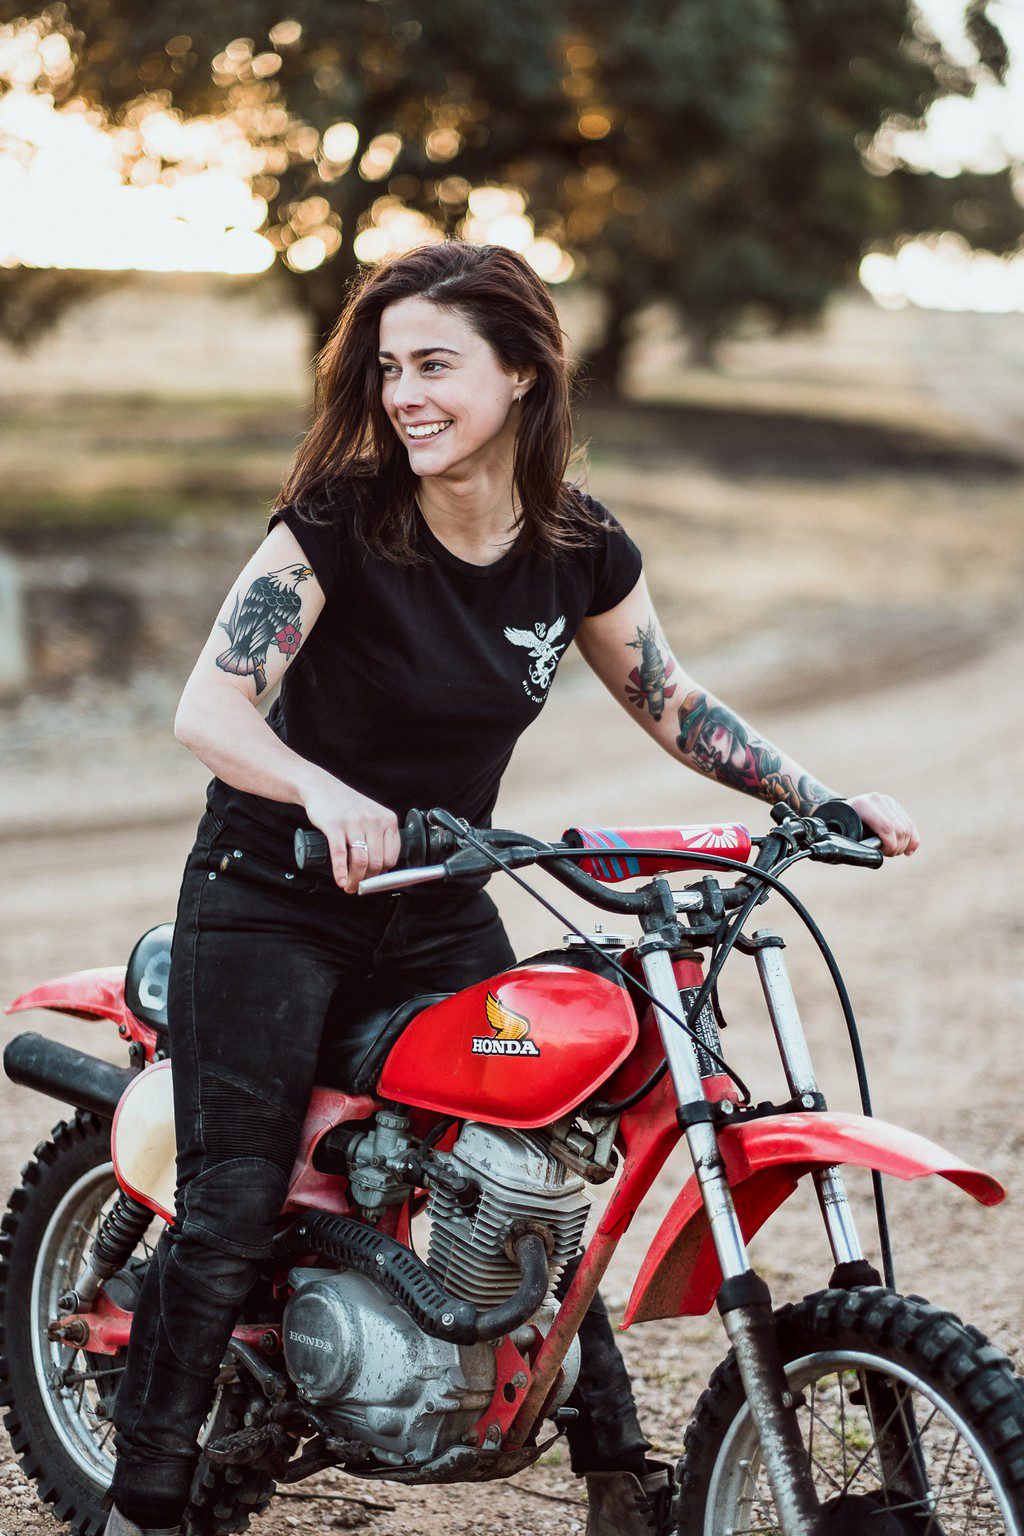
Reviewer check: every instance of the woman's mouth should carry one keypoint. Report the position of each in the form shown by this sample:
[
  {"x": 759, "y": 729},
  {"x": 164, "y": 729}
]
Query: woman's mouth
[{"x": 422, "y": 433}]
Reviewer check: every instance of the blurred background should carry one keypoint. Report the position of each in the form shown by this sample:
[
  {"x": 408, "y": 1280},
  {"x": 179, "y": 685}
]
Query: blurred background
[{"x": 785, "y": 240}]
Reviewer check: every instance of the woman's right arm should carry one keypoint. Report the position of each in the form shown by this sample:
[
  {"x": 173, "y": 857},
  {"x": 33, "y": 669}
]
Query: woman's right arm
[{"x": 266, "y": 618}]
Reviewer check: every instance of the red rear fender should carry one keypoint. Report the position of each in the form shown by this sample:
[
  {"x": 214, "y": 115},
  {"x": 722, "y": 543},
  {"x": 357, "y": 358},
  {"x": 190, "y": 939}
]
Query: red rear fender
[
  {"x": 97, "y": 994},
  {"x": 764, "y": 1161}
]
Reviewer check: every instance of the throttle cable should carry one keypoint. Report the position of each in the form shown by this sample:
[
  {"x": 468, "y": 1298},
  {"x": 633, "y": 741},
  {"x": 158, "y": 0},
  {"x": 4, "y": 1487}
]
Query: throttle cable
[{"x": 731, "y": 934}]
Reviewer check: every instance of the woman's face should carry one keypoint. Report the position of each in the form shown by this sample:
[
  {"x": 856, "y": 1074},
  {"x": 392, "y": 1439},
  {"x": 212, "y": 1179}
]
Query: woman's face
[{"x": 444, "y": 389}]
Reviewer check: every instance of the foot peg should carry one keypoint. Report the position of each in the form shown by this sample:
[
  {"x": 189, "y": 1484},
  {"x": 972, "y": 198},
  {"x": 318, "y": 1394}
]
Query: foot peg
[{"x": 262, "y": 1445}]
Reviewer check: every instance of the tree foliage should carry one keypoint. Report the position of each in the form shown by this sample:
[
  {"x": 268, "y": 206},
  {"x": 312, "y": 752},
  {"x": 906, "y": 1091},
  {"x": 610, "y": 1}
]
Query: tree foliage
[{"x": 711, "y": 154}]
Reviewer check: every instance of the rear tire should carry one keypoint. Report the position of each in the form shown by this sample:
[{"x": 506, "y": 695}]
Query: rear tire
[
  {"x": 949, "y": 1382},
  {"x": 65, "y": 1446}
]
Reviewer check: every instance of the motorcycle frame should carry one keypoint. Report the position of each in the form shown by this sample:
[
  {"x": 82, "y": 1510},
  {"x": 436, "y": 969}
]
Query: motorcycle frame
[{"x": 744, "y": 1169}]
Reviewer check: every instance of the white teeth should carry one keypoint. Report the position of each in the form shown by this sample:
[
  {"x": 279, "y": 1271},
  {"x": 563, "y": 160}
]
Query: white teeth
[{"x": 431, "y": 430}]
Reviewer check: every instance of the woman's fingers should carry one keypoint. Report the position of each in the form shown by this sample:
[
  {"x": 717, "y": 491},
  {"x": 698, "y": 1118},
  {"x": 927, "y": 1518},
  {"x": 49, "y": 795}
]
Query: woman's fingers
[
  {"x": 358, "y": 859},
  {"x": 887, "y": 819},
  {"x": 392, "y": 845},
  {"x": 338, "y": 844},
  {"x": 375, "y": 848}
]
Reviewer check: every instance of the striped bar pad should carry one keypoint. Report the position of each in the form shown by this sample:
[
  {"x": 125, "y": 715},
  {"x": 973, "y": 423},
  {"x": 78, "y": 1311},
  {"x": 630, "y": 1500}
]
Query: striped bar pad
[{"x": 683, "y": 848}]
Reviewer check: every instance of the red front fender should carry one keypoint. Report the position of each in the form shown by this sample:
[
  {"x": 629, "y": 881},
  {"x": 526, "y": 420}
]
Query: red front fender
[{"x": 764, "y": 1160}]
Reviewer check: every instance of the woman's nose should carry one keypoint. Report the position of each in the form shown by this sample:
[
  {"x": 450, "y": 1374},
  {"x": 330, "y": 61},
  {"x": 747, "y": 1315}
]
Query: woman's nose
[{"x": 408, "y": 391}]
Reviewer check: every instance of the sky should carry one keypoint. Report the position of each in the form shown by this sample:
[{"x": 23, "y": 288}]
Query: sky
[{"x": 161, "y": 194}]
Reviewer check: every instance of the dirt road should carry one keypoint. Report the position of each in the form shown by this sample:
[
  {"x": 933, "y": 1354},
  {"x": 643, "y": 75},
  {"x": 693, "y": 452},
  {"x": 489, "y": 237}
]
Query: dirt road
[{"x": 931, "y": 948}]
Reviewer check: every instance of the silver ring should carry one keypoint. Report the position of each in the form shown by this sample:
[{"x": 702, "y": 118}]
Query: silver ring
[{"x": 357, "y": 842}]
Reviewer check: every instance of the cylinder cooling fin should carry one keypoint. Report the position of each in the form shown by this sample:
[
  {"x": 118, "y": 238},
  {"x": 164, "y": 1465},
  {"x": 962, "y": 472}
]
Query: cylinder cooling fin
[{"x": 519, "y": 1182}]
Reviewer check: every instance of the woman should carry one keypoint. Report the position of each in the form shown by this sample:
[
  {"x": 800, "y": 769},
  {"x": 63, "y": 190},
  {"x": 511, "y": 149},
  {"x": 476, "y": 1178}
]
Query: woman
[{"x": 424, "y": 571}]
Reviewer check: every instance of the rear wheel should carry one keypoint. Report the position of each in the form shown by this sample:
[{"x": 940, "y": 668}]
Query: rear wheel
[
  {"x": 913, "y": 1424},
  {"x": 58, "y": 1399}
]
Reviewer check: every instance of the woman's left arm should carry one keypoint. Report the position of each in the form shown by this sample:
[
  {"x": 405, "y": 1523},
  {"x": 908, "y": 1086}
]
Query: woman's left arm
[{"x": 627, "y": 649}]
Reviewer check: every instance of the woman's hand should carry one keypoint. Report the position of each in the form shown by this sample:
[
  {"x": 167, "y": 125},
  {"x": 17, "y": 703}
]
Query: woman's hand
[
  {"x": 887, "y": 819},
  {"x": 363, "y": 835}
]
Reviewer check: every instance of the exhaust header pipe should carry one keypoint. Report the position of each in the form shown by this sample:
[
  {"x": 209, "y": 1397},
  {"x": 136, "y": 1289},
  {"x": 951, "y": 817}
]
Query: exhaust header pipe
[{"x": 83, "y": 1081}]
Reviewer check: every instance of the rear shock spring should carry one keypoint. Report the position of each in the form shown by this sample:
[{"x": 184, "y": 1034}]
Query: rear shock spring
[{"x": 120, "y": 1231}]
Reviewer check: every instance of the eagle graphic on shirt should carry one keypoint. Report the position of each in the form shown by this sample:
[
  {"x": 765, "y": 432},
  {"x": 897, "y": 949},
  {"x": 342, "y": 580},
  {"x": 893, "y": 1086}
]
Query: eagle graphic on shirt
[{"x": 544, "y": 653}]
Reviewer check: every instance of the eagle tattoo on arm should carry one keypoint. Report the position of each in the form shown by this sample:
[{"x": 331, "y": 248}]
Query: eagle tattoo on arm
[{"x": 267, "y": 615}]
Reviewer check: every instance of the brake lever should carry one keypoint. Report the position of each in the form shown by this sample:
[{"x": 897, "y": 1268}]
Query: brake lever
[{"x": 843, "y": 850}]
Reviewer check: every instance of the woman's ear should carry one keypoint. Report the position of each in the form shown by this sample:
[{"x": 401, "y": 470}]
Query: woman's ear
[{"x": 523, "y": 380}]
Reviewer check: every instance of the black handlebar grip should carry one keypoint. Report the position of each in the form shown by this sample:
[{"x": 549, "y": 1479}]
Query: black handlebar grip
[
  {"x": 840, "y": 817},
  {"x": 312, "y": 850}
]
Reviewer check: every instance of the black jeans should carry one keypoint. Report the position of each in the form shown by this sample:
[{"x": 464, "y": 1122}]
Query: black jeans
[{"x": 262, "y": 960}]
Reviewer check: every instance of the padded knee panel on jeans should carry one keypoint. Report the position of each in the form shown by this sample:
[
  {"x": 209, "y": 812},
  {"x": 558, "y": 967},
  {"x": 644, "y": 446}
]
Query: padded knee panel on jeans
[
  {"x": 238, "y": 1122},
  {"x": 232, "y": 1207}
]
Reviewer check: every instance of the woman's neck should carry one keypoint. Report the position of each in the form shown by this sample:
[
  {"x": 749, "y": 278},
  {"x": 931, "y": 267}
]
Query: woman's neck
[{"x": 475, "y": 515}]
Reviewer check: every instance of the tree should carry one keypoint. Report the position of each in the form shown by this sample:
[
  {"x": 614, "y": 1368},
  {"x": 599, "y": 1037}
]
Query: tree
[
  {"x": 755, "y": 193},
  {"x": 714, "y": 154}
]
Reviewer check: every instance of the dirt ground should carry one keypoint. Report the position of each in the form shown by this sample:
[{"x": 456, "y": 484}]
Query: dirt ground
[{"x": 883, "y": 645}]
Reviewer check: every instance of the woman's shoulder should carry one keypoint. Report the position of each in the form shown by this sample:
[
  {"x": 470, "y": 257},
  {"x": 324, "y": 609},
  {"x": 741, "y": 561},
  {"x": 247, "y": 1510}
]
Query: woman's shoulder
[
  {"x": 591, "y": 518},
  {"x": 325, "y": 521},
  {"x": 612, "y": 560}
]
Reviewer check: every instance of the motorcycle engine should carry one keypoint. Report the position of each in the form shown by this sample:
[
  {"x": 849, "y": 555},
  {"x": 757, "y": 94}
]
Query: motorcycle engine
[
  {"x": 518, "y": 1180},
  {"x": 358, "y": 1356}
]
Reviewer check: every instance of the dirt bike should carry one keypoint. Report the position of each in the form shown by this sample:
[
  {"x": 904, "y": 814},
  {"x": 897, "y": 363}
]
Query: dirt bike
[{"x": 491, "y": 1111}]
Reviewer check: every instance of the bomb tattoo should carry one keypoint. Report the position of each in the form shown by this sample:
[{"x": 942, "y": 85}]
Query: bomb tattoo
[
  {"x": 648, "y": 683},
  {"x": 267, "y": 615},
  {"x": 720, "y": 744}
]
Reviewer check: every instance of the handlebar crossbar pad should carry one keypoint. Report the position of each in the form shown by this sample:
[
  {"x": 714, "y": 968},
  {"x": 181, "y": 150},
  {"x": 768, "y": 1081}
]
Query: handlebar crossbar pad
[{"x": 683, "y": 848}]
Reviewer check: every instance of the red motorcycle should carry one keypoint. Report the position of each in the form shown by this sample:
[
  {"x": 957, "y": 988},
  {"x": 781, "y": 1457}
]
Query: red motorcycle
[{"x": 489, "y": 1112}]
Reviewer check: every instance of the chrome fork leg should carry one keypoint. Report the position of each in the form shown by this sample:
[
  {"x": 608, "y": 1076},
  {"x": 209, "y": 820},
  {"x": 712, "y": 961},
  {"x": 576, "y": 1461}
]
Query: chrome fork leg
[
  {"x": 744, "y": 1300},
  {"x": 796, "y": 1060}
]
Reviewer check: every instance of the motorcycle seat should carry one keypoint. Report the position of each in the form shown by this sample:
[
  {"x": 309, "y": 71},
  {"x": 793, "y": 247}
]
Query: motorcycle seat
[
  {"x": 145, "y": 982},
  {"x": 356, "y": 1046},
  {"x": 357, "y": 1039}
]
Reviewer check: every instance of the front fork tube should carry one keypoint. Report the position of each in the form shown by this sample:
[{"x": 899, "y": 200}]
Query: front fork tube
[
  {"x": 796, "y": 1060},
  {"x": 744, "y": 1300}
]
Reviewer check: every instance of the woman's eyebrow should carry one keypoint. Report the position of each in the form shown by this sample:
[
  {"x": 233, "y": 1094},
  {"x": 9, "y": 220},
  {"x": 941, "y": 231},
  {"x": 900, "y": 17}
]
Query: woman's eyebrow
[{"x": 420, "y": 352}]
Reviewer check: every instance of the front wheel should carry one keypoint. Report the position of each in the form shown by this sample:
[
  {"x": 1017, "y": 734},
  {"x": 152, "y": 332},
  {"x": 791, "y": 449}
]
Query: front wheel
[{"x": 913, "y": 1424}]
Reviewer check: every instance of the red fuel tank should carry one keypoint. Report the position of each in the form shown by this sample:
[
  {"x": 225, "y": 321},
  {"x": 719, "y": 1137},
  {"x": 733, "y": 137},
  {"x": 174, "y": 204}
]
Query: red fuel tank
[{"x": 521, "y": 1049}]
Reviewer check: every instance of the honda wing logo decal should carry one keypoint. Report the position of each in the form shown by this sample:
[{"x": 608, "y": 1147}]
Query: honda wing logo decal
[{"x": 511, "y": 1032}]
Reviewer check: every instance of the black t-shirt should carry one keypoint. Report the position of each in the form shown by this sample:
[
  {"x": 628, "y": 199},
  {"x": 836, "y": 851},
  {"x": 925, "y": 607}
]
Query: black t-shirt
[{"x": 417, "y": 680}]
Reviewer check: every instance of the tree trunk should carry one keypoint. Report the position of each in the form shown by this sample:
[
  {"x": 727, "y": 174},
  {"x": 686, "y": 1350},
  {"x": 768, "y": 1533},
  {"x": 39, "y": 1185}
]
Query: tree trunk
[
  {"x": 320, "y": 295},
  {"x": 604, "y": 368}
]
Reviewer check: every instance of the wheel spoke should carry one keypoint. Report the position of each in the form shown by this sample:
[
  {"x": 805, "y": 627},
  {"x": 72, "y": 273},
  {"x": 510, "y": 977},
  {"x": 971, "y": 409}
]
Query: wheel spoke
[{"x": 868, "y": 1425}]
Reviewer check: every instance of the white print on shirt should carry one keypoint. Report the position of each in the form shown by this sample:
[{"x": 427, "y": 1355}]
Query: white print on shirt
[{"x": 544, "y": 653}]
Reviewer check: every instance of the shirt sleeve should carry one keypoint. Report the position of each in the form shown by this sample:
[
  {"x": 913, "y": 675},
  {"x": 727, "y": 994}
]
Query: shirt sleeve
[
  {"x": 617, "y": 563},
  {"x": 319, "y": 542}
]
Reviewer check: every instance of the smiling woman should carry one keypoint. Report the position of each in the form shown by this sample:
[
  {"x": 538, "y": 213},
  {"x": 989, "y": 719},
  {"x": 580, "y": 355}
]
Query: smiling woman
[
  {"x": 447, "y": 363},
  {"x": 436, "y": 564}
]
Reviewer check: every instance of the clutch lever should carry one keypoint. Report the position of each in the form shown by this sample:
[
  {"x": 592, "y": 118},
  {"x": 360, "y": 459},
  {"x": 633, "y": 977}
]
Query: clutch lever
[{"x": 398, "y": 879}]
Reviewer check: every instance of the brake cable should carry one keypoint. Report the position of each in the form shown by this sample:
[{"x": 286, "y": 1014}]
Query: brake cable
[{"x": 546, "y": 853}]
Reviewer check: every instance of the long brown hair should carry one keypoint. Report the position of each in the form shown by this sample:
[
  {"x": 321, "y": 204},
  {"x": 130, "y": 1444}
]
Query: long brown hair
[{"x": 352, "y": 442}]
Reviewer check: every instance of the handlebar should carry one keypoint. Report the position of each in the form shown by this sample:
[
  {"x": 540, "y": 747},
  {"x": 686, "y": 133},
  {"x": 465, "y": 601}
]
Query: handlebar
[
  {"x": 436, "y": 846},
  {"x": 421, "y": 844}
]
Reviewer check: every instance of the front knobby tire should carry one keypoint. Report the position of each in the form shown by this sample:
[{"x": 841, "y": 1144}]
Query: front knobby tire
[
  {"x": 913, "y": 1421},
  {"x": 56, "y": 1400}
]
